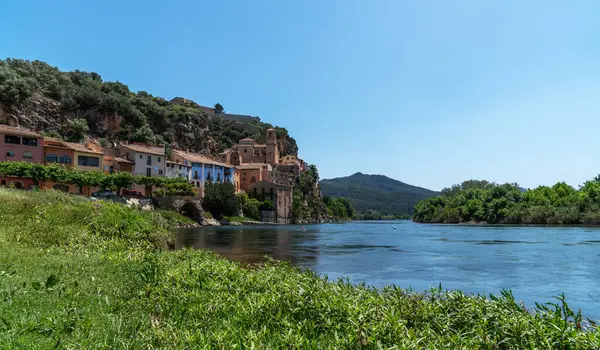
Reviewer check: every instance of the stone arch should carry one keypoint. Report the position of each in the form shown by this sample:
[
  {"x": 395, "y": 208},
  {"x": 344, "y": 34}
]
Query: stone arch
[{"x": 190, "y": 208}]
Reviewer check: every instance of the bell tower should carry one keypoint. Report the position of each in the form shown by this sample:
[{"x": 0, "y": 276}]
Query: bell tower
[{"x": 272, "y": 149}]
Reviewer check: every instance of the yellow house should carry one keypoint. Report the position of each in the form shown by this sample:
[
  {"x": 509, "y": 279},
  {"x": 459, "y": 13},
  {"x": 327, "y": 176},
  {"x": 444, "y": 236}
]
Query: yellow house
[{"x": 86, "y": 158}]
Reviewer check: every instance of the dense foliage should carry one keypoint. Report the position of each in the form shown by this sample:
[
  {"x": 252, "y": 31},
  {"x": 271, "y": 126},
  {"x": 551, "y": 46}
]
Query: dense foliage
[
  {"x": 251, "y": 207},
  {"x": 60, "y": 174},
  {"x": 81, "y": 274},
  {"x": 482, "y": 201},
  {"x": 375, "y": 215},
  {"x": 309, "y": 206},
  {"x": 220, "y": 199},
  {"x": 377, "y": 193},
  {"x": 73, "y": 104}
]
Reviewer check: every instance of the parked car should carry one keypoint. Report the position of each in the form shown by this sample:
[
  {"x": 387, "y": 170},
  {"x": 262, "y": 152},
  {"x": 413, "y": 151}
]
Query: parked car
[{"x": 102, "y": 193}]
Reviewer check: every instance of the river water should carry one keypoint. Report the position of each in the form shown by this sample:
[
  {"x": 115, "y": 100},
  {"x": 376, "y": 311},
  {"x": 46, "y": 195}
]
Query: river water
[{"x": 536, "y": 263}]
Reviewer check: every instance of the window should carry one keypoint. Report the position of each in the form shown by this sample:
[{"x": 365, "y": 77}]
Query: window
[
  {"x": 112, "y": 169},
  {"x": 27, "y": 155},
  {"x": 208, "y": 176},
  {"x": 30, "y": 141},
  {"x": 3, "y": 183},
  {"x": 253, "y": 179},
  {"x": 158, "y": 159},
  {"x": 195, "y": 174},
  {"x": 244, "y": 179},
  {"x": 51, "y": 158},
  {"x": 65, "y": 160},
  {"x": 15, "y": 140},
  {"x": 10, "y": 153},
  {"x": 245, "y": 150},
  {"x": 141, "y": 156},
  {"x": 160, "y": 172},
  {"x": 149, "y": 160},
  {"x": 148, "y": 172},
  {"x": 88, "y": 161},
  {"x": 218, "y": 177}
]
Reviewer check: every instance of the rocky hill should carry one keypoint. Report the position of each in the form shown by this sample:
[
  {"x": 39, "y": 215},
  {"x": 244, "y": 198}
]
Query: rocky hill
[
  {"x": 376, "y": 192},
  {"x": 74, "y": 104}
]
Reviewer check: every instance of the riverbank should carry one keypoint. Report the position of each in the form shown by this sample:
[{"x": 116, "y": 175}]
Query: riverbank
[{"x": 81, "y": 274}]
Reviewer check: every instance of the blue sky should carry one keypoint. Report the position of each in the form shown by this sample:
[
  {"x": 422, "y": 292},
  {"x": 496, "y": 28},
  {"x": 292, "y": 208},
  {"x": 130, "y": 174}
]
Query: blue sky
[{"x": 427, "y": 92}]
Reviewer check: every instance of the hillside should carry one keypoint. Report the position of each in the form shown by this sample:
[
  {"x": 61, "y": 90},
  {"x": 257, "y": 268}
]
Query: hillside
[
  {"x": 376, "y": 192},
  {"x": 76, "y": 104}
]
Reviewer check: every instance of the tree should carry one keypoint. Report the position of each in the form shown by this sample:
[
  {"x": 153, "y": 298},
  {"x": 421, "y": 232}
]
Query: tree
[
  {"x": 219, "y": 109},
  {"x": 251, "y": 209},
  {"x": 220, "y": 199},
  {"x": 143, "y": 134},
  {"x": 76, "y": 129},
  {"x": 122, "y": 180}
]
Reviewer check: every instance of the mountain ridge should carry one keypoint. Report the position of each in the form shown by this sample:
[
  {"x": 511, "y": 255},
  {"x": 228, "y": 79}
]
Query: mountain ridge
[{"x": 376, "y": 192}]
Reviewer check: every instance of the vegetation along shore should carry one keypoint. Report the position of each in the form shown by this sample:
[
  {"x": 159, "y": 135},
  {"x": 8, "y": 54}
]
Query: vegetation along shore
[
  {"x": 484, "y": 202},
  {"x": 81, "y": 274}
]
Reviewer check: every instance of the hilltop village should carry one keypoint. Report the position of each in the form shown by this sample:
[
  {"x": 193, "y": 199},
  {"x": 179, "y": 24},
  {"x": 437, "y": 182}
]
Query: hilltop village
[{"x": 257, "y": 169}]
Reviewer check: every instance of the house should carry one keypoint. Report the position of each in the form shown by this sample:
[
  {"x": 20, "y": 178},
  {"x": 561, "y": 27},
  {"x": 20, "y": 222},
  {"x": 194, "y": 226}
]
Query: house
[
  {"x": 203, "y": 169},
  {"x": 56, "y": 152},
  {"x": 85, "y": 158},
  {"x": 251, "y": 174},
  {"x": 148, "y": 160},
  {"x": 115, "y": 164},
  {"x": 178, "y": 170},
  {"x": 281, "y": 197},
  {"x": 20, "y": 145}
]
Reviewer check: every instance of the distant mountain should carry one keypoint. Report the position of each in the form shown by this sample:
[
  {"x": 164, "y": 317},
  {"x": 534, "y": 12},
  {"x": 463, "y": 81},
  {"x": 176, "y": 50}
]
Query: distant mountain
[{"x": 376, "y": 192}]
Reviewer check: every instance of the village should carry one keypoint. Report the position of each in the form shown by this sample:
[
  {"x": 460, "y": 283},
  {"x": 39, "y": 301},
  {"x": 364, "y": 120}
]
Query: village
[{"x": 257, "y": 169}]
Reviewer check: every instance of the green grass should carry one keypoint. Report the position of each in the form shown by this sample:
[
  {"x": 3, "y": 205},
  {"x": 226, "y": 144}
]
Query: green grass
[{"x": 78, "y": 274}]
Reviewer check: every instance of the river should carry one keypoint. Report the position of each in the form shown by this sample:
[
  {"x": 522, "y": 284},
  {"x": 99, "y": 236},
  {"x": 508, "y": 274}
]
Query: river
[{"x": 536, "y": 263}]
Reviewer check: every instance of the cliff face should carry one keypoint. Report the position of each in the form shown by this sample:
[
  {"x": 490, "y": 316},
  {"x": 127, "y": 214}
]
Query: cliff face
[{"x": 65, "y": 104}]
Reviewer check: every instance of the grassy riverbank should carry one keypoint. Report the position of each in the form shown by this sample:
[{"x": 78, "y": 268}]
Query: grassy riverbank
[{"x": 81, "y": 274}]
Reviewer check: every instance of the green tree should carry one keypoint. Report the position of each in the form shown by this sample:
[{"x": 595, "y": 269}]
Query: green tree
[
  {"x": 76, "y": 129},
  {"x": 219, "y": 109},
  {"x": 220, "y": 199}
]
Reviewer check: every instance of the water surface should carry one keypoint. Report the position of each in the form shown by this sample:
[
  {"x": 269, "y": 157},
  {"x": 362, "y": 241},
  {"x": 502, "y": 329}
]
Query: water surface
[{"x": 536, "y": 263}]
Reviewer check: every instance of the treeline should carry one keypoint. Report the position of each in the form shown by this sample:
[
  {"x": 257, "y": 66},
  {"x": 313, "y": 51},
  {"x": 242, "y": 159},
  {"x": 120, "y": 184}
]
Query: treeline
[
  {"x": 116, "y": 182},
  {"x": 376, "y": 215},
  {"x": 485, "y": 202},
  {"x": 84, "y": 102}
]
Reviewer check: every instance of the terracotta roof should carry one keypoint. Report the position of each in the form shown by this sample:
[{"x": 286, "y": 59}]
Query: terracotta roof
[
  {"x": 197, "y": 158},
  {"x": 15, "y": 130},
  {"x": 160, "y": 151},
  {"x": 247, "y": 139},
  {"x": 252, "y": 166},
  {"x": 118, "y": 159},
  {"x": 78, "y": 147}
]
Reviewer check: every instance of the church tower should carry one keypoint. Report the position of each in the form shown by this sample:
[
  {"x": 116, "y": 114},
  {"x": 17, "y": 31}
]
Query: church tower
[{"x": 272, "y": 149}]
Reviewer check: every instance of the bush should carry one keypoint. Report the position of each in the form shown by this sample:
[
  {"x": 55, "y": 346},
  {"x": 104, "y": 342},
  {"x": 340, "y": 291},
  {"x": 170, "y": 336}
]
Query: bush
[
  {"x": 251, "y": 209},
  {"x": 220, "y": 199}
]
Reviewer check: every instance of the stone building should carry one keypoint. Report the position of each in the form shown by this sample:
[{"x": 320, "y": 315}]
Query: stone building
[
  {"x": 281, "y": 197},
  {"x": 247, "y": 151}
]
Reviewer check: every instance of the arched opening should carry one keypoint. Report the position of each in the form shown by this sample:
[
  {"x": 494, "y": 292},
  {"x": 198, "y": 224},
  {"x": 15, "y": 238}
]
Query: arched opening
[
  {"x": 51, "y": 158},
  {"x": 17, "y": 184},
  {"x": 192, "y": 211}
]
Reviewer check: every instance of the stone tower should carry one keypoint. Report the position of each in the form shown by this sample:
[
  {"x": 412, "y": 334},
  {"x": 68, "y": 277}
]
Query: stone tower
[{"x": 272, "y": 149}]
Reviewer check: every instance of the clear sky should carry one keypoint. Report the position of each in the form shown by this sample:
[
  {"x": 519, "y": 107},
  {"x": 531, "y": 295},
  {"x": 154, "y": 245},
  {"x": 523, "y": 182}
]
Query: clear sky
[{"x": 427, "y": 92}]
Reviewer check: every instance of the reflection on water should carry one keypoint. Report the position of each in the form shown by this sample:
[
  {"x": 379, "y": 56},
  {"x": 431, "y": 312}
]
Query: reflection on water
[
  {"x": 250, "y": 244},
  {"x": 536, "y": 263}
]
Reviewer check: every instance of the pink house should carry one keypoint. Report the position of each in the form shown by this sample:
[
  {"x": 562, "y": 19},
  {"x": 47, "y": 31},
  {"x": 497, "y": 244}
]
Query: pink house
[{"x": 20, "y": 145}]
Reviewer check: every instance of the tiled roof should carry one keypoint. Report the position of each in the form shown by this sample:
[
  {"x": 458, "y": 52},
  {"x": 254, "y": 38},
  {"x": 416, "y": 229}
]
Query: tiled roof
[
  {"x": 247, "y": 139},
  {"x": 160, "y": 151},
  {"x": 78, "y": 147},
  {"x": 15, "y": 130},
  {"x": 118, "y": 159},
  {"x": 197, "y": 158},
  {"x": 252, "y": 166}
]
